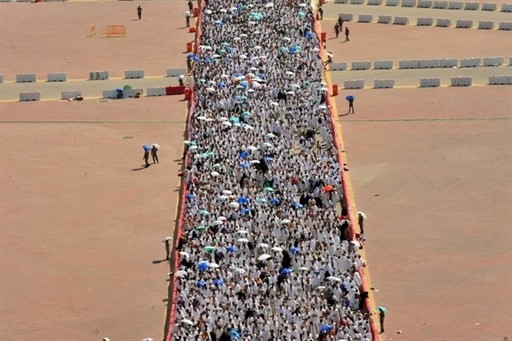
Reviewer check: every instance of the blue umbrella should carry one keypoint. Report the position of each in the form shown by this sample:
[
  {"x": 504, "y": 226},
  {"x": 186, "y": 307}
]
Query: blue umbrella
[
  {"x": 231, "y": 249},
  {"x": 245, "y": 211},
  {"x": 294, "y": 250},
  {"x": 350, "y": 98},
  {"x": 190, "y": 56},
  {"x": 244, "y": 155},
  {"x": 296, "y": 205},
  {"x": 244, "y": 165},
  {"x": 201, "y": 283},
  {"x": 325, "y": 329},
  {"x": 146, "y": 148},
  {"x": 274, "y": 201},
  {"x": 243, "y": 200},
  {"x": 234, "y": 333},
  {"x": 218, "y": 282},
  {"x": 286, "y": 271},
  {"x": 202, "y": 266}
]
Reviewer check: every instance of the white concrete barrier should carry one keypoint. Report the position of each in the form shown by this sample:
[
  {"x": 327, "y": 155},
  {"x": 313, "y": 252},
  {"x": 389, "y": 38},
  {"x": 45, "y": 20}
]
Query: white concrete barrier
[
  {"x": 130, "y": 93},
  {"x": 346, "y": 16},
  {"x": 434, "y": 82},
  {"x": 470, "y": 62},
  {"x": 425, "y": 3},
  {"x": 471, "y": 6},
  {"x": 429, "y": 63},
  {"x": 383, "y": 83},
  {"x": 354, "y": 84},
  {"x": 485, "y": 25},
  {"x": 23, "y": 0},
  {"x": 492, "y": 61},
  {"x": 26, "y": 77},
  {"x": 1, "y": 79},
  {"x": 5, "y": 0},
  {"x": 356, "y": 2},
  {"x": 408, "y": 3},
  {"x": 463, "y": 23},
  {"x": 443, "y": 23},
  {"x": 57, "y": 77},
  {"x": 67, "y": 94},
  {"x": 440, "y": 4},
  {"x": 365, "y": 18},
  {"x": 110, "y": 93},
  {"x": 133, "y": 74},
  {"x": 360, "y": 65},
  {"x": 401, "y": 21},
  {"x": 30, "y": 96},
  {"x": 448, "y": 63},
  {"x": 461, "y": 81},
  {"x": 392, "y": 2},
  {"x": 500, "y": 80},
  {"x": 488, "y": 6},
  {"x": 156, "y": 91},
  {"x": 455, "y": 5},
  {"x": 506, "y": 8},
  {"x": 175, "y": 72},
  {"x": 340, "y": 66},
  {"x": 409, "y": 64},
  {"x": 98, "y": 75},
  {"x": 374, "y": 2},
  {"x": 341, "y": 1},
  {"x": 507, "y": 26},
  {"x": 425, "y": 22},
  {"x": 385, "y": 19},
  {"x": 383, "y": 64}
]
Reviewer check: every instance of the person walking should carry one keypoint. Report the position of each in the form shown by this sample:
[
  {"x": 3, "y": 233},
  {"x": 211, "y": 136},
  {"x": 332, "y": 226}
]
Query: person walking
[
  {"x": 347, "y": 32},
  {"x": 340, "y": 23},
  {"x": 382, "y": 314},
  {"x": 187, "y": 18},
  {"x": 146, "y": 156},
  {"x": 190, "y": 6},
  {"x": 350, "y": 100},
  {"x": 139, "y": 12},
  {"x": 337, "y": 29},
  {"x": 321, "y": 12},
  {"x": 167, "y": 242},
  {"x": 154, "y": 155}
]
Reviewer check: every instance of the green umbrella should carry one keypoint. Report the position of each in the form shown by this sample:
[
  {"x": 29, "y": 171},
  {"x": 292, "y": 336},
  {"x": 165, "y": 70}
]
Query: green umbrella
[
  {"x": 268, "y": 189},
  {"x": 261, "y": 200},
  {"x": 203, "y": 212},
  {"x": 302, "y": 14},
  {"x": 210, "y": 249},
  {"x": 246, "y": 113},
  {"x": 381, "y": 309},
  {"x": 234, "y": 119},
  {"x": 201, "y": 228}
]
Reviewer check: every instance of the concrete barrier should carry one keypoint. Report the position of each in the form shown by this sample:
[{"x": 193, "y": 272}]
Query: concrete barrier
[
  {"x": 470, "y": 62},
  {"x": 356, "y": 2},
  {"x": 485, "y": 25},
  {"x": 383, "y": 65},
  {"x": 440, "y": 4},
  {"x": 444, "y": 63},
  {"x": 392, "y": 2},
  {"x": 383, "y": 83},
  {"x": 98, "y": 75},
  {"x": 488, "y": 6},
  {"x": 1, "y": 79},
  {"x": 130, "y": 93},
  {"x": 67, "y": 94},
  {"x": 175, "y": 72},
  {"x": 346, "y": 16},
  {"x": 341, "y": 1},
  {"x": 455, "y": 5},
  {"x": 429, "y": 63},
  {"x": 133, "y": 74},
  {"x": 509, "y": 61},
  {"x": 354, "y": 84},
  {"x": 506, "y": 8},
  {"x": 500, "y": 80},
  {"x": 374, "y": 2},
  {"x": 409, "y": 64},
  {"x": 401, "y": 21},
  {"x": 360, "y": 66},
  {"x": 434, "y": 82},
  {"x": 5, "y": 0},
  {"x": 385, "y": 19},
  {"x": 504, "y": 25},
  {"x": 23, "y": 0},
  {"x": 365, "y": 18},
  {"x": 26, "y": 78},
  {"x": 463, "y": 23},
  {"x": 492, "y": 61},
  {"x": 425, "y": 3},
  {"x": 340, "y": 66},
  {"x": 425, "y": 22},
  {"x": 57, "y": 77},
  {"x": 461, "y": 81},
  {"x": 408, "y": 3},
  {"x": 30, "y": 96},
  {"x": 156, "y": 91},
  {"x": 471, "y": 6},
  {"x": 110, "y": 93},
  {"x": 443, "y": 22}
]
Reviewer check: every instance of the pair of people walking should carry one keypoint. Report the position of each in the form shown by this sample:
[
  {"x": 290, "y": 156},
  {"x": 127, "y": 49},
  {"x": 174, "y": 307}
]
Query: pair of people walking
[{"x": 154, "y": 154}]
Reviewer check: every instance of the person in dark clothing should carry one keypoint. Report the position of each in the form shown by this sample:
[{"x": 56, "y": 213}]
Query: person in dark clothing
[
  {"x": 146, "y": 157},
  {"x": 139, "y": 12},
  {"x": 321, "y": 12},
  {"x": 347, "y": 32},
  {"x": 337, "y": 29},
  {"x": 190, "y": 6},
  {"x": 154, "y": 155},
  {"x": 340, "y": 23}
]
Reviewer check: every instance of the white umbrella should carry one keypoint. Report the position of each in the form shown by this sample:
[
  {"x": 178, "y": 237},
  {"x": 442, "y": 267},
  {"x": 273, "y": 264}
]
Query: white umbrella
[
  {"x": 242, "y": 232},
  {"x": 286, "y": 39},
  {"x": 201, "y": 118},
  {"x": 187, "y": 321},
  {"x": 192, "y": 147},
  {"x": 257, "y": 47},
  {"x": 264, "y": 256},
  {"x": 184, "y": 254},
  {"x": 222, "y": 119},
  {"x": 303, "y": 268},
  {"x": 181, "y": 273},
  {"x": 157, "y": 146},
  {"x": 252, "y": 148},
  {"x": 213, "y": 265},
  {"x": 234, "y": 204},
  {"x": 266, "y": 144},
  {"x": 240, "y": 271},
  {"x": 215, "y": 174},
  {"x": 277, "y": 249},
  {"x": 218, "y": 222},
  {"x": 334, "y": 279},
  {"x": 243, "y": 240},
  {"x": 248, "y": 127},
  {"x": 223, "y": 10},
  {"x": 302, "y": 5},
  {"x": 166, "y": 239},
  {"x": 227, "y": 192},
  {"x": 148, "y": 339},
  {"x": 243, "y": 35},
  {"x": 289, "y": 73},
  {"x": 275, "y": 104},
  {"x": 254, "y": 161},
  {"x": 221, "y": 218},
  {"x": 269, "y": 5},
  {"x": 320, "y": 288},
  {"x": 222, "y": 197},
  {"x": 270, "y": 135},
  {"x": 242, "y": 56},
  {"x": 227, "y": 123},
  {"x": 291, "y": 93},
  {"x": 262, "y": 245}
]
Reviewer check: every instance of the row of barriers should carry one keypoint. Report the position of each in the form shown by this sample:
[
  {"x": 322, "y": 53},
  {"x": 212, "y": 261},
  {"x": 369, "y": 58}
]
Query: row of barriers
[
  {"x": 114, "y": 93},
  {"x": 93, "y": 75},
  {"x": 440, "y": 22},
  {"x": 436, "y": 4},
  {"x": 427, "y": 82},
  {"x": 421, "y": 64}
]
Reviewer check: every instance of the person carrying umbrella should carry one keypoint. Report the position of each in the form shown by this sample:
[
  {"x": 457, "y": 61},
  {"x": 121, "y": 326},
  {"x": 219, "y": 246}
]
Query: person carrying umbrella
[
  {"x": 146, "y": 155},
  {"x": 382, "y": 314},
  {"x": 350, "y": 100}
]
